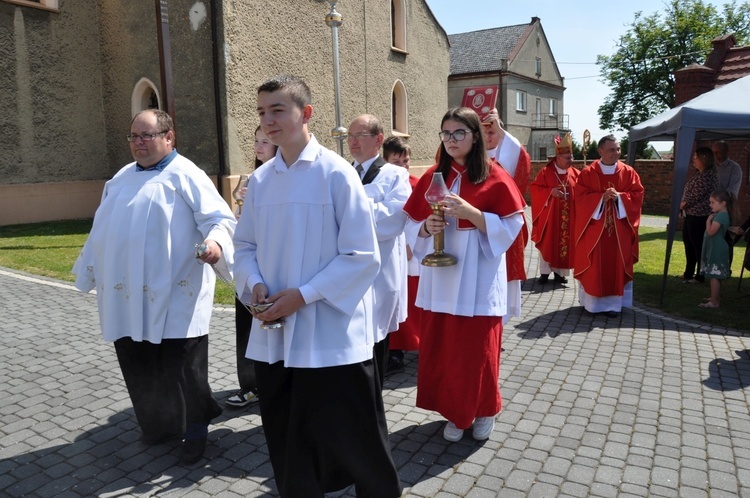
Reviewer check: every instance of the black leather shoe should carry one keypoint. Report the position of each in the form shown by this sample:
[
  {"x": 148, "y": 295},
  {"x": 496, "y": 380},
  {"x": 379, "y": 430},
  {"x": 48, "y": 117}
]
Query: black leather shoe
[
  {"x": 612, "y": 314},
  {"x": 395, "y": 365},
  {"x": 560, "y": 279},
  {"x": 192, "y": 450},
  {"x": 543, "y": 279}
]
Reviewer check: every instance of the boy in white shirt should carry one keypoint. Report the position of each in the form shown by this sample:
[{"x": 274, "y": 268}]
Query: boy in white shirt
[{"x": 303, "y": 246}]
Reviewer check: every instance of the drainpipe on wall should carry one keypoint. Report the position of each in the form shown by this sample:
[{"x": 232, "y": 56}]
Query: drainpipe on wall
[
  {"x": 217, "y": 52},
  {"x": 165, "y": 55}
]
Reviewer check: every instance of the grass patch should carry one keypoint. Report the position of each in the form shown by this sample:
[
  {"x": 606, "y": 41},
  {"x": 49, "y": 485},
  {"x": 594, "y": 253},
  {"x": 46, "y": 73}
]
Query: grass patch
[
  {"x": 682, "y": 299},
  {"x": 47, "y": 249},
  {"x": 50, "y": 249}
]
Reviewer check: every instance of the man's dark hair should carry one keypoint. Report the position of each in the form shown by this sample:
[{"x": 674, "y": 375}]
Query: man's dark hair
[
  {"x": 297, "y": 88},
  {"x": 163, "y": 120},
  {"x": 373, "y": 124},
  {"x": 606, "y": 138},
  {"x": 395, "y": 146}
]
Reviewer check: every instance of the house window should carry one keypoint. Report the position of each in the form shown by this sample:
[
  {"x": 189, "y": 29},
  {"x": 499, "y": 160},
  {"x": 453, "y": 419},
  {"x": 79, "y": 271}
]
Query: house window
[
  {"x": 399, "y": 109},
  {"x": 538, "y": 66},
  {"x": 520, "y": 101},
  {"x": 542, "y": 153},
  {"x": 145, "y": 96},
  {"x": 398, "y": 25},
  {"x": 552, "y": 107}
]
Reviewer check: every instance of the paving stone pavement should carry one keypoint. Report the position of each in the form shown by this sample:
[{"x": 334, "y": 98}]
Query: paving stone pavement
[{"x": 635, "y": 406}]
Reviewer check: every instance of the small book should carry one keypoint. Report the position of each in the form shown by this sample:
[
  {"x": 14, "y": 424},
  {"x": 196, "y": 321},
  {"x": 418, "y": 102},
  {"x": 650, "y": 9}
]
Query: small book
[{"x": 481, "y": 99}]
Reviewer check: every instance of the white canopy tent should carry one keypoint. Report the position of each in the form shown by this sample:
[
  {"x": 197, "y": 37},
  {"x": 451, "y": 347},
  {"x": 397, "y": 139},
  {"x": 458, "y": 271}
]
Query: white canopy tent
[{"x": 723, "y": 113}]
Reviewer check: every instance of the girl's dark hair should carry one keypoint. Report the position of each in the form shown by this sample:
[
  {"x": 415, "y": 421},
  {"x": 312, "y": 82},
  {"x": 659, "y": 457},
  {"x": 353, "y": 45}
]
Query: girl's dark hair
[
  {"x": 706, "y": 156},
  {"x": 477, "y": 165},
  {"x": 732, "y": 207}
]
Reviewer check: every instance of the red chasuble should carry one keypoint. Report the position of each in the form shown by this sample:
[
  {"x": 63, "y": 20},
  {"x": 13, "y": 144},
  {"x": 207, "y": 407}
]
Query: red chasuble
[
  {"x": 552, "y": 219},
  {"x": 523, "y": 171},
  {"x": 607, "y": 248},
  {"x": 497, "y": 194}
]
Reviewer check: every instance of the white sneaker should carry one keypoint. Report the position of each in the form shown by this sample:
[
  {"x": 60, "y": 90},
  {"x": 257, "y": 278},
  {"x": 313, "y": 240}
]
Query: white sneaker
[
  {"x": 483, "y": 427},
  {"x": 241, "y": 398},
  {"x": 452, "y": 433}
]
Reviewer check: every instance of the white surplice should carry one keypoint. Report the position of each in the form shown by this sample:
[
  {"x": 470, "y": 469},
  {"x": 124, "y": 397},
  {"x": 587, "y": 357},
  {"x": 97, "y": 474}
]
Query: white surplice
[
  {"x": 388, "y": 192},
  {"x": 310, "y": 226},
  {"x": 477, "y": 285},
  {"x": 507, "y": 155},
  {"x": 140, "y": 254}
]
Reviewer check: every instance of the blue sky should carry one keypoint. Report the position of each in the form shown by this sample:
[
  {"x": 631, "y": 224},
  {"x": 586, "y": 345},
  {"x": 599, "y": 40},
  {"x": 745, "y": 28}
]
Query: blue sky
[{"x": 577, "y": 32}]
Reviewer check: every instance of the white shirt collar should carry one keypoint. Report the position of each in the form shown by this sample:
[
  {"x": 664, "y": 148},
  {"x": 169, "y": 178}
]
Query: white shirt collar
[
  {"x": 608, "y": 169},
  {"x": 366, "y": 165}
]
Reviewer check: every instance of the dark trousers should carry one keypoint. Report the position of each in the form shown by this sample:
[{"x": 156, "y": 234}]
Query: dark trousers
[
  {"x": 167, "y": 384},
  {"x": 692, "y": 237},
  {"x": 326, "y": 429},
  {"x": 243, "y": 321},
  {"x": 380, "y": 357}
]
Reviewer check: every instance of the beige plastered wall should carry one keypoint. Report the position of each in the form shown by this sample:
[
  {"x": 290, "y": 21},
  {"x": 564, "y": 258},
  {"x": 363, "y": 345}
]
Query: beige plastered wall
[
  {"x": 290, "y": 36},
  {"x": 69, "y": 78}
]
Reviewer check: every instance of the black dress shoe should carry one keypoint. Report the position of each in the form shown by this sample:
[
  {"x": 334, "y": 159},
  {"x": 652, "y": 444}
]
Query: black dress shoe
[
  {"x": 560, "y": 279},
  {"x": 543, "y": 278},
  {"x": 612, "y": 314},
  {"x": 192, "y": 450},
  {"x": 395, "y": 365}
]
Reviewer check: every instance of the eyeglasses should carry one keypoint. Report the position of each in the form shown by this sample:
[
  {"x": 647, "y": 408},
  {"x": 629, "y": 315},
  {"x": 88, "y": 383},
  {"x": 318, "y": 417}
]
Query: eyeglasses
[
  {"x": 146, "y": 137},
  {"x": 457, "y": 135},
  {"x": 359, "y": 136}
]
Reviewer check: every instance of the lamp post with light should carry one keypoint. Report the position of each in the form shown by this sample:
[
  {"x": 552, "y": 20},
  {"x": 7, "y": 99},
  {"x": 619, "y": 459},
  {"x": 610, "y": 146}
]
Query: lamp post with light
[{"x": 334, "y": 20}]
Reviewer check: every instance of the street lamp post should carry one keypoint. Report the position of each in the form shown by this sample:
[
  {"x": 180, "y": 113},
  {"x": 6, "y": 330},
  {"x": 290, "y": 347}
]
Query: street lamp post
[{"x": 334, "y": 20}]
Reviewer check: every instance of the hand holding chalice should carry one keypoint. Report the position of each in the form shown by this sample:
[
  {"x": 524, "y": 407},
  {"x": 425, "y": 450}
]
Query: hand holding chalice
[{"x": 435, "y": 194}]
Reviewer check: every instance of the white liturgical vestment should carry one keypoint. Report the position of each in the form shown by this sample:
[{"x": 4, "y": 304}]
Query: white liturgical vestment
[
  {"x": 388, "y": 193},
  {"x": 309, "y": 226},
  {"x": 140, "y": 254}
]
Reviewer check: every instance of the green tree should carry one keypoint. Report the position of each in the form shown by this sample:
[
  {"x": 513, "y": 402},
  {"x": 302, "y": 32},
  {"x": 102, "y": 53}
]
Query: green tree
[
  {"x": 642, "y": 151},
  {"x": 640, "y": 72},
  {"x": 592, "y": 152}
]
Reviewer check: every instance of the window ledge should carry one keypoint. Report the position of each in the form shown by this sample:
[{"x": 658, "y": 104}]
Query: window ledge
[
  {"x": 49, "y": 6},
  {"x": 401, "y": 134},
  {"x": 399, "y": 50}
]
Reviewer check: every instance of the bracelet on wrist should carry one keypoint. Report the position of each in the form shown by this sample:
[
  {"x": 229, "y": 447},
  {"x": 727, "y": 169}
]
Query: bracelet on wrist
[{"x": 424, "y": 225}]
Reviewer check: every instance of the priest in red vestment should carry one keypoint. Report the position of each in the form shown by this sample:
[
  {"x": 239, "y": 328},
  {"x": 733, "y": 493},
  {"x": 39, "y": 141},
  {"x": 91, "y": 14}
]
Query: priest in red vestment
[
  {"x": 608, "y": 201},
  {"x": 552, "y": 199}
]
